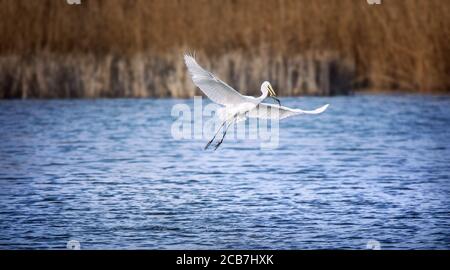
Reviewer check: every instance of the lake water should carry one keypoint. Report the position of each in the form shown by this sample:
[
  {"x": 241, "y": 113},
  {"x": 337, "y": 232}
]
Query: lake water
[{"x": 108, "y": 174}]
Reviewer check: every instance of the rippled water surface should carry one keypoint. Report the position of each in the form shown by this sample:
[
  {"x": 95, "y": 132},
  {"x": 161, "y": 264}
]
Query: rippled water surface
[{"x": 108, "y": 174}]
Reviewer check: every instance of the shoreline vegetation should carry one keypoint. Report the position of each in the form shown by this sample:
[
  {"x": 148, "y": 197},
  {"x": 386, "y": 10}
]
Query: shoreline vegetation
[
  {"x": 50, "y": 75},
  {"x": 120, "y": 48}
]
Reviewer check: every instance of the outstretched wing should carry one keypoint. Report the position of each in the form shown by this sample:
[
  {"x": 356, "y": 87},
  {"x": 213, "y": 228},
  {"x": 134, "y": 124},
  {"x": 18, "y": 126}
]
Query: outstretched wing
[
  {"x": 273, "y": 111},
  {"x": 213, "y": 87}
]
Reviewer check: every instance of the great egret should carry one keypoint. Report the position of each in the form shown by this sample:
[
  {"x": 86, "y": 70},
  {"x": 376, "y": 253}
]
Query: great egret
[{"x": 238, "y": 107}]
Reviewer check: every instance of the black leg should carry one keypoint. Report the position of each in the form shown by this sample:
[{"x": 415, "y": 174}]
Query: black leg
[
  {"x": 209, "y": 143},
  {"x": 223, "y": 137}
]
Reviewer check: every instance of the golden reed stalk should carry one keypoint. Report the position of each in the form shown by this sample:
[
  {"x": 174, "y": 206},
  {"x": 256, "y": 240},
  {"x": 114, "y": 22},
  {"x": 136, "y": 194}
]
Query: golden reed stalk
[{"x": 126, "y": 48}]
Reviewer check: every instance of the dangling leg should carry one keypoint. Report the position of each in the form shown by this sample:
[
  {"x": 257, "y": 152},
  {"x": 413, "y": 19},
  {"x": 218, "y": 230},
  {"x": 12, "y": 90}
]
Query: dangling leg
[
  {"x": 209, "y": 143},
  {"x": 224, "y": 133}
]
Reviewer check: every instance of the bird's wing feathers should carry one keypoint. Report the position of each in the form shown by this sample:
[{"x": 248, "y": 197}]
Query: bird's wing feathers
[
  {"x": 273, "y": 111},
  {"x": 213, "y": 87}
]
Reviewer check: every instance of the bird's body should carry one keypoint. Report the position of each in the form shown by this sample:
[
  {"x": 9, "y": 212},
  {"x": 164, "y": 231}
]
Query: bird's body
[
  {"x": 220, "y": 92},
  {"x": 238, "y": 107}
]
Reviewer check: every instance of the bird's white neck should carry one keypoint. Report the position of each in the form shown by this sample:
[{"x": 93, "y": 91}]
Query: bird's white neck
[{"x": 264, "y": 94}]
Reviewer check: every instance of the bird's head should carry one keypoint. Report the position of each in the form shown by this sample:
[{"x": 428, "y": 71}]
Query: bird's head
[{"x": 267, "y": 87}]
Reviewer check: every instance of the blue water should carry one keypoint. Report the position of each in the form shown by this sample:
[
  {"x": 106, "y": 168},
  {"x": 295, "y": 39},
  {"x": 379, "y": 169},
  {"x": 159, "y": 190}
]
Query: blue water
[{"x": 108, "y": 174}]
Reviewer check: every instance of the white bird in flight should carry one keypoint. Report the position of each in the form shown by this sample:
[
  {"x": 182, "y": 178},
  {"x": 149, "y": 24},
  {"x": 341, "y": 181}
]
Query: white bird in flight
[{"x": 238, "y": 107}]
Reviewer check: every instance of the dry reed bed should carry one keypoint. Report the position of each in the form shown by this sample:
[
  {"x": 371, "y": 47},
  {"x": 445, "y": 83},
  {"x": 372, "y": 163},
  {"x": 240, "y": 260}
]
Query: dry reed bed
[
  {"x": 51, "y": 75},
  {"x": 131, "y": 48}
]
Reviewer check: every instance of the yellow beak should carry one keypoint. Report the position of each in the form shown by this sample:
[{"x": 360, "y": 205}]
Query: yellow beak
[
  {"x": 273, "y": 95},
  {"x": 271, "y": 91}
]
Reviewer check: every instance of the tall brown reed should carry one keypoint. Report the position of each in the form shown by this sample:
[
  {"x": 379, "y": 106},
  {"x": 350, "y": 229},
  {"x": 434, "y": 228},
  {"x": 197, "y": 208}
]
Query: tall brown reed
[{"x": 400, "y": 44}]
